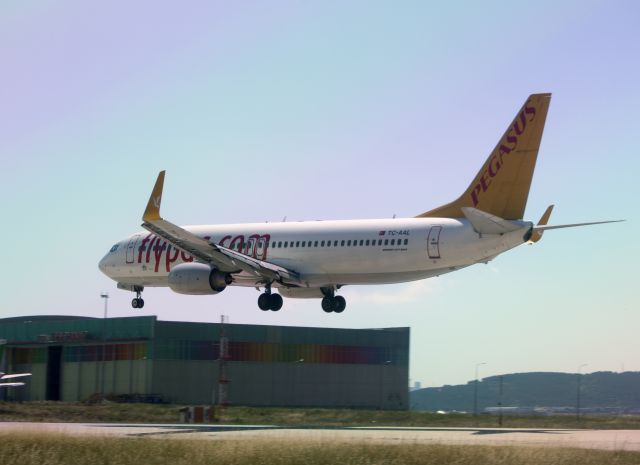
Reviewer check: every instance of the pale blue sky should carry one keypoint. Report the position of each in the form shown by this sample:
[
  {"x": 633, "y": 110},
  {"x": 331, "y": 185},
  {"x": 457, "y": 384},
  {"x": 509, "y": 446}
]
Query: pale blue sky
[{"x": 321, "y": 110}]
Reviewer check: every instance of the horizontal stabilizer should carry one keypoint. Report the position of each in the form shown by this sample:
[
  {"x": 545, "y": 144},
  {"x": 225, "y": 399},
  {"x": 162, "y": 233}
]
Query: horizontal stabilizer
[{"x": 485, "y": 223}]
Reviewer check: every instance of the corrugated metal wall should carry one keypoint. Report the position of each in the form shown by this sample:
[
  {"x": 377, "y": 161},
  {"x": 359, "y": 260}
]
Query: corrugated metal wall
[{"x": 178, "y": 361}]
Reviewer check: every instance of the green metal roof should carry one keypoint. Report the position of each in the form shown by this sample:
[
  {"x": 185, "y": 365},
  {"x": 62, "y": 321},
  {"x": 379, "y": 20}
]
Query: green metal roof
[{"x": 35, "y": 329}]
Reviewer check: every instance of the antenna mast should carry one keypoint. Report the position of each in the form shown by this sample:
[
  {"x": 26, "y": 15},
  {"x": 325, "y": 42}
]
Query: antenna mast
[{"x": 223, "y": 379}]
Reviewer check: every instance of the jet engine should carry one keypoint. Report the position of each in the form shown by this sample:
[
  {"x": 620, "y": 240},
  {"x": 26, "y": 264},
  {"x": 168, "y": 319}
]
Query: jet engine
[{"x": 198, "y": 279}]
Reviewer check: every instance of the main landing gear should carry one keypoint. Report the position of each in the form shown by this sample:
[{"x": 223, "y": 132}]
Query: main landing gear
[
  {"x": 333, "y": 303},
  {"x": 269, "y": 301},
  {"x": 138, "y": 302}
]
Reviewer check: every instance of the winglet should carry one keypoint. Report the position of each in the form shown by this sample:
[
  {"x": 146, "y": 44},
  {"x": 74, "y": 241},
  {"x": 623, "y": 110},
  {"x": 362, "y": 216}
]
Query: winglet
[
  {"x": 544, "y": 219},
  {"x": 153, "y": 206}
]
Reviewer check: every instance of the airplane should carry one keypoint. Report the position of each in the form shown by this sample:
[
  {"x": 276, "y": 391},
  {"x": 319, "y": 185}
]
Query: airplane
[
  {"x": 315, "y": 259},
  {"x": 4, "y": 377}
]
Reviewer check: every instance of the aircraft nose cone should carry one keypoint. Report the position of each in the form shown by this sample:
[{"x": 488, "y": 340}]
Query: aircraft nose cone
[{"x": 103, "y": 264}]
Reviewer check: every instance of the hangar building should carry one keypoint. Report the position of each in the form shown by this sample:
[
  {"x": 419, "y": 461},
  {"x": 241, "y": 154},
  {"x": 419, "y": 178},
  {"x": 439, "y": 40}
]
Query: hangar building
[{"x": 144, "y": 359}]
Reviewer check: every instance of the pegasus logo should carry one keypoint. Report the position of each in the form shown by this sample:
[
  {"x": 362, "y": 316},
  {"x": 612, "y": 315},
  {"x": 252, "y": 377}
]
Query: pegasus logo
[
  {"x": 508, "y": 145},
  {"x": 156, "y": 201}
]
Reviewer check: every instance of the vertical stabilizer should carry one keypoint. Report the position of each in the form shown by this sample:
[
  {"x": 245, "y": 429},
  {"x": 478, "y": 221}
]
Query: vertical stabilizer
[{"x": 501, "y": 187}]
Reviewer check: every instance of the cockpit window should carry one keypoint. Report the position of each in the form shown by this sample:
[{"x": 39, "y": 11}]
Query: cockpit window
[{"x": 114, "y": 248}]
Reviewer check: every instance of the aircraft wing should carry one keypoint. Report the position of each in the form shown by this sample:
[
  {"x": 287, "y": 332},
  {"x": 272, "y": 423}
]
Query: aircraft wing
[
  {"x": 15, "y": 375},
  {"x": 542, "y": 226},
  {"x": 575, "y": 225},
  {"x": 11, "y": 384},
  {"x": 221, "y": 257}
]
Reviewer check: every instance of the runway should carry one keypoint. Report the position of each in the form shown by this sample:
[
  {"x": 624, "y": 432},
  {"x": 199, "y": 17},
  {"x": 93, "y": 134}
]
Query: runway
[{"x": 591, "y": 439}]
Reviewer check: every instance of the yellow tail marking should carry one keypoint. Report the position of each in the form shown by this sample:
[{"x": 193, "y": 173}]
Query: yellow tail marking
[
  {"x": 501, "y": 187},
  {"x": 153, "y": 206},
  {"x": 544, "y": 219}
]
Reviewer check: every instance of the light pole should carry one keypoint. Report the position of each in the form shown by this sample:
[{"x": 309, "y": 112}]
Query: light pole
[
  {"x": 298, "y": 395},
  {"x": 105, "y": 296},
  {"x": 475, "y": 390},
  {"x": 500, "y": 402},
  {"x": 578, "y": 390},
  {"x": 381, "y": 382}
]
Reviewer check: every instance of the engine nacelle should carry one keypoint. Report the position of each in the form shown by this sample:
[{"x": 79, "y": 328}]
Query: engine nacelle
[
  {"x": 198, "y": 279},
  {"x": 301, "y": 292}
]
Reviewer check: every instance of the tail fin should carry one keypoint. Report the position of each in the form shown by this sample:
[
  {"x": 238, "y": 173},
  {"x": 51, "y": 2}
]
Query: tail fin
[{"x": 501, "y": 187}]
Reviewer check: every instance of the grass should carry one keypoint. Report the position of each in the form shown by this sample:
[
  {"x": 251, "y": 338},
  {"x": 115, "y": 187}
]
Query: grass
[
  {"x": 88, "y": 413},
  {"x": 150, "y": 413},
  {"x": 57, "y": 449}
]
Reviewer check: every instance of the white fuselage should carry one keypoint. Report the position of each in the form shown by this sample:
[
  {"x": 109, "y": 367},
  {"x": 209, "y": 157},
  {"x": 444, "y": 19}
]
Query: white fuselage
[{"x": 324, "y": 253}]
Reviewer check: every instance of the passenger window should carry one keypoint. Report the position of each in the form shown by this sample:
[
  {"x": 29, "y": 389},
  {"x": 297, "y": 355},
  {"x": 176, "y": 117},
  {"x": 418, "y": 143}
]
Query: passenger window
[
  {"x": 315, "y": 244},
  {"x": 386, "y": 242},
  {"x": 393, "y": 242},
  {"x": 362, "y": 242},
  {"x": 379, "y": 241},
  {"x": 342, "y": 244},
  {"x": 302, "y": 245},
  {"x": 322, "y": 244},
  {"x": 328, "y": 243},
  {"x": 335, "y": 243},
  {"x": 367, "y": 243},
  {"x": 406, "y": 241},
  {"x": 285, "y": 244},
  {"x": 279, "y": 244},
  {"x": 298, "y": 244}
]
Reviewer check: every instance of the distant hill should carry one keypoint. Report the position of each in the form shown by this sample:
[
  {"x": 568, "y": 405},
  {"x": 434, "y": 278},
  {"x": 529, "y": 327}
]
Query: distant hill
[{"x": 602, "y": 389}]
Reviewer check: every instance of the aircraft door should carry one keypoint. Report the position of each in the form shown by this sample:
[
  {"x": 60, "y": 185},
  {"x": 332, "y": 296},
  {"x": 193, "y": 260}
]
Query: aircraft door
[
  {"x": 433, "y": 242},
  {"x": 131, "y": 248},
  {"x": 250, "y": 247},
  {"x": 261, "y": 248}
]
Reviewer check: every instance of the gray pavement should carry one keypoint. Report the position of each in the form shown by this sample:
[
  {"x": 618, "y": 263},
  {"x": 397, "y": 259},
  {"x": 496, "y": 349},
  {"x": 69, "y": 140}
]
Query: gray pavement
[{"x": 593, "y": 439}]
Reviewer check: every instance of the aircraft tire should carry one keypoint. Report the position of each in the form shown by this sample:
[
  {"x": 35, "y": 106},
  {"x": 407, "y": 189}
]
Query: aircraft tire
[
  {"x": 275, "y": 302},
  {"x": 327, "y": 304},
  {"x": 140, "y": 303},
  {"x": 264, "y": 302},
  {"x": 339, "y": 304},
  {"x": 134, "y": 303}
]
